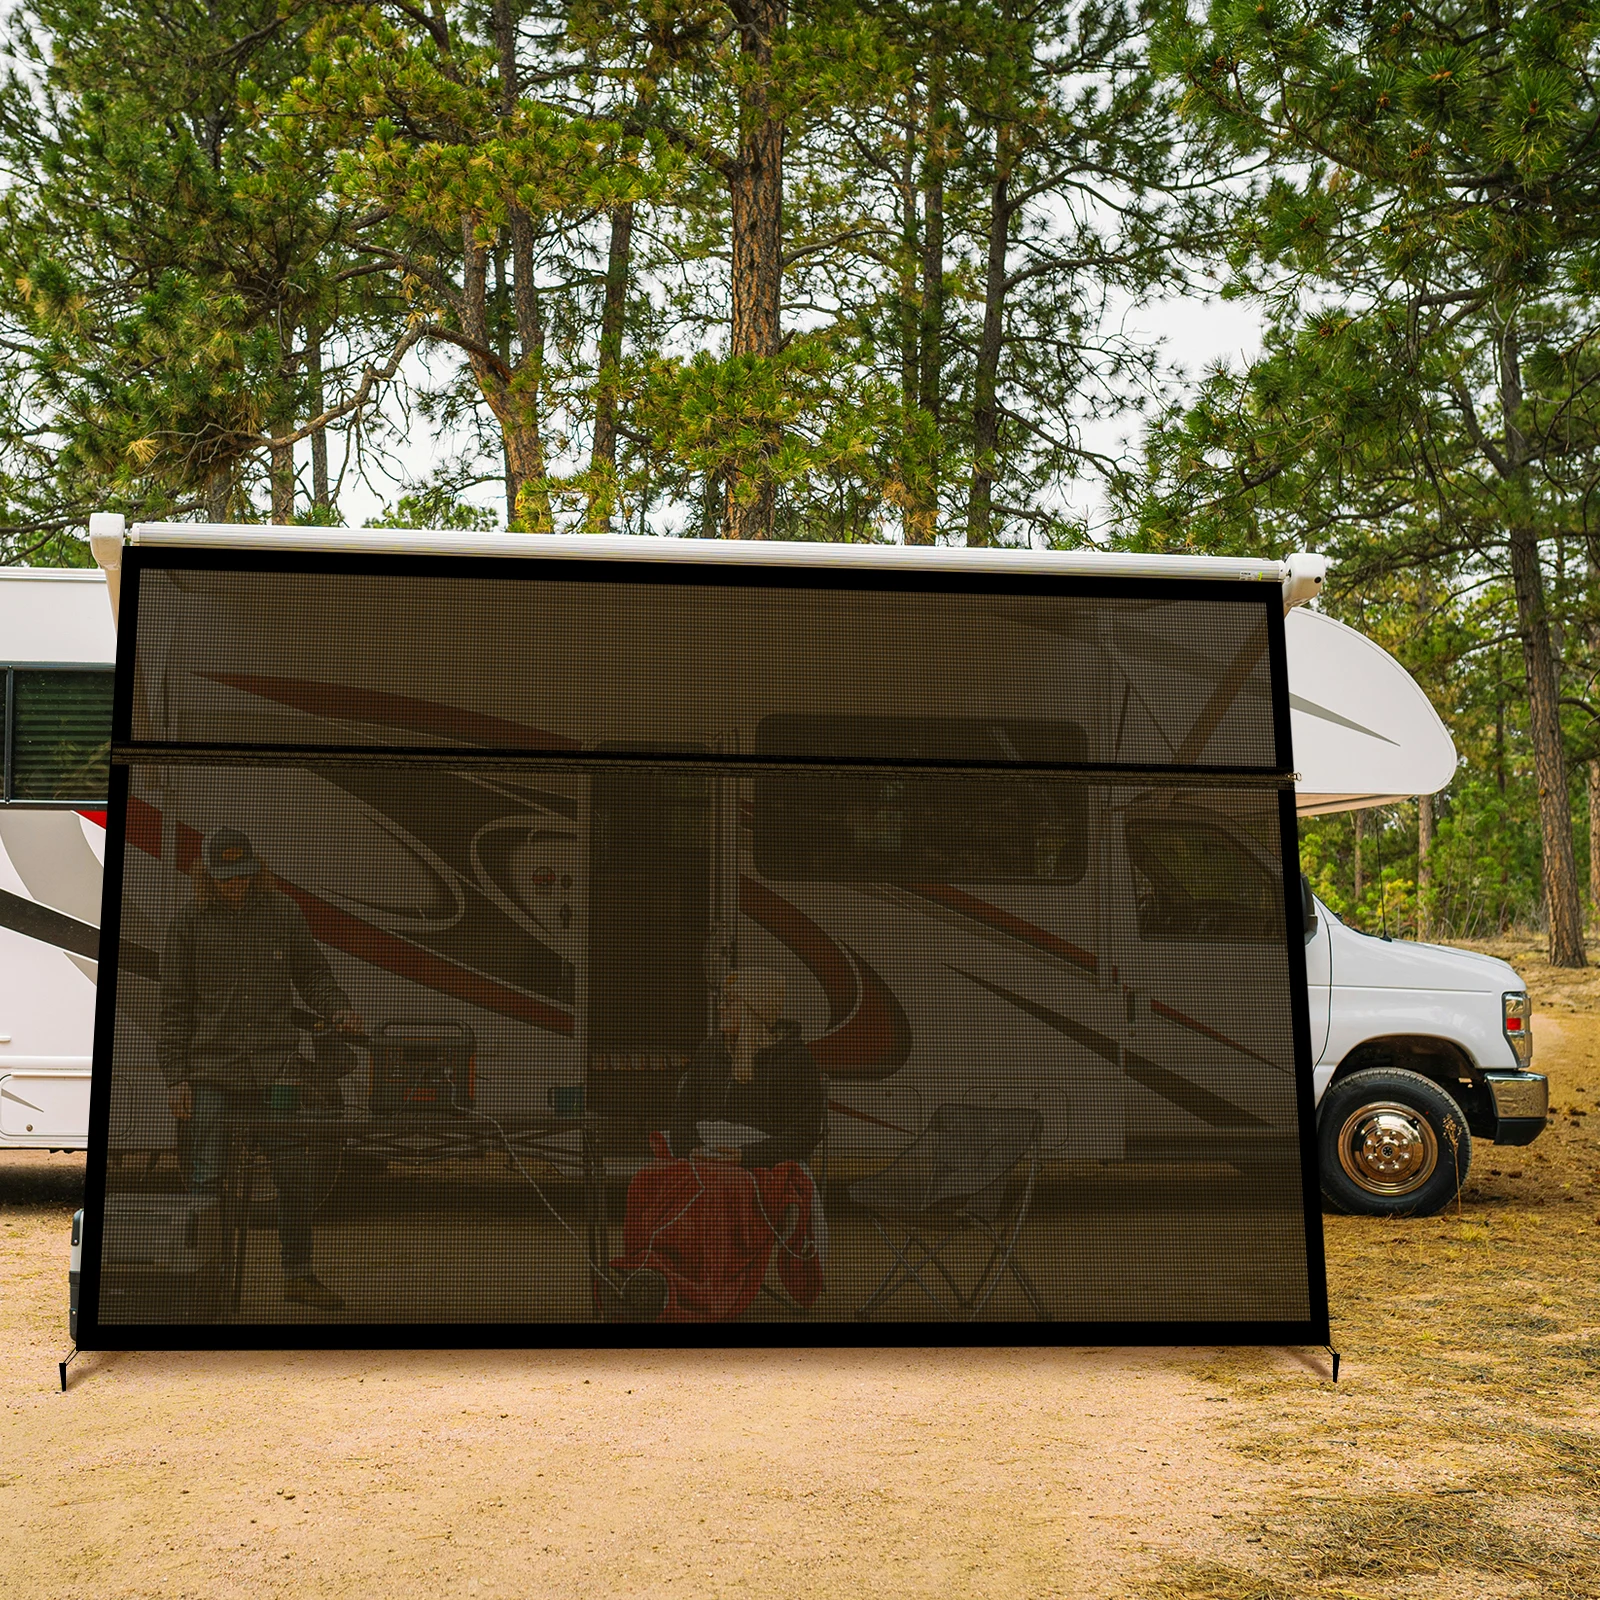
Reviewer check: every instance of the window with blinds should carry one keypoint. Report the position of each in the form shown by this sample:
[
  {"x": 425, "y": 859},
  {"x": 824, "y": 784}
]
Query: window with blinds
[{"x": 57, "y": 736}]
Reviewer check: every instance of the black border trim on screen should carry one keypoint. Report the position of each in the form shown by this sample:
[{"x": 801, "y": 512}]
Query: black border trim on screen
[
  {"x": 597, "y": 569},
  {"x": 681, "y": 1336},
  {"x": 106, "y": 973},
  {"x": 92, "y": 1335},
  {"x": 1299, "y": 992},
  {"x": 1305, "y": 1086},
  {"x": 141, "y": 753}
]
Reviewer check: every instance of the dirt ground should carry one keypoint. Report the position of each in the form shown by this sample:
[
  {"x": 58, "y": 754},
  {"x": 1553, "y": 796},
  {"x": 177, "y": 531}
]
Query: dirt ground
[{"x": 1456, "y": 1457}]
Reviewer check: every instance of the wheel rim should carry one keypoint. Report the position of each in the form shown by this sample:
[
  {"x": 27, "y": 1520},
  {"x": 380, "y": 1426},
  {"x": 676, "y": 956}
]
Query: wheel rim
[{"x": 1388, "y": 1149}]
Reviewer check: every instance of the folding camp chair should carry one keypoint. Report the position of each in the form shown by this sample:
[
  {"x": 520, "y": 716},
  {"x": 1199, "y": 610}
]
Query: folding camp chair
[{"x": 961, "y": 1175}]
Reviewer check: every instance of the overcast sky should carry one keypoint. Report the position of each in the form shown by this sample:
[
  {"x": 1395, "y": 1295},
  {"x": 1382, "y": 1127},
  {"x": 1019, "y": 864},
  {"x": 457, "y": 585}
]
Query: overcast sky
[{"x": 1194, "y": 334}]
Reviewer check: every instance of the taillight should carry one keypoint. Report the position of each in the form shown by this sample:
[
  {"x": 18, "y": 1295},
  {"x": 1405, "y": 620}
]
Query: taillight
[{"x": 1518, "y": 1024}]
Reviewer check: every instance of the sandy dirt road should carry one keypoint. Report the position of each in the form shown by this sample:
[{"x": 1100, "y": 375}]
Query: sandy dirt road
[
  {"x": 515, "y": 1473},
  {"x": 1456, "y": 1459}
]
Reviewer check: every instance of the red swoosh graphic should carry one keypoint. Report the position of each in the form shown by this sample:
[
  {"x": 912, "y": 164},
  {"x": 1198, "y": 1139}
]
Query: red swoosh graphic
[
  {"x": 361, "y": 939},
  {"x": 1003, "y": 922},
  {"x": 344, "y": 703},
  {"x": 994, "y": 917},
  {"x": 868, "y": 1033},
  {"x": 334, "y": 926},
  {"x": 865, "y": 1116},
  {"x": 1172, "y": 1014}
]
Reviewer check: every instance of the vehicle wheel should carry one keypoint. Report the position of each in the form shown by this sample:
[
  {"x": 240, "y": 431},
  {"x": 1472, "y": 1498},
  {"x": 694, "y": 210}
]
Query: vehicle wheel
[{"x": 1392, "y": 1144}]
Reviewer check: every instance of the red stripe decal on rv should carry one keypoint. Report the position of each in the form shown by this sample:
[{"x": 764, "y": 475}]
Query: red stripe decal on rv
[
  {"x": 1172, "y": 1014},
  {"x": 821, "y": 957},
  {"x": 379, "y": 949},
  {"x": 144, "y": 826},
  {"x": 362, "y": 940},
  {"x": 98, "y": 818},
  {"x": 1003, "y": 922},
  {"x": 866, "y": 1116},
  {"x": 868, "y": 1034},
  {"x": 343, "y": 703}
]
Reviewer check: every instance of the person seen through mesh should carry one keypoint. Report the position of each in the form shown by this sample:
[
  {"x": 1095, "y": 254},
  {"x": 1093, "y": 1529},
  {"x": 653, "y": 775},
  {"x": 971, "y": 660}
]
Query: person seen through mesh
[
  {"x": 233, "y": 960},
  {"x": 752, "y": 1093},
  {"x": 730, "y": 1184}
]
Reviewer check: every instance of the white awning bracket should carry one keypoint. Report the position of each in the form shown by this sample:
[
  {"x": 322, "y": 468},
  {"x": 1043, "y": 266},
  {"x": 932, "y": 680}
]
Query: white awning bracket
[
  {"x": 1303, "y": 577},
  {"x": 107, "y": 530}
]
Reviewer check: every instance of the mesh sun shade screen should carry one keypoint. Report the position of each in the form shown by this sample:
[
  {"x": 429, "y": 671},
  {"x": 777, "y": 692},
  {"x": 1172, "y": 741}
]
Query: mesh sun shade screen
[{"x": 683, "y": 955}]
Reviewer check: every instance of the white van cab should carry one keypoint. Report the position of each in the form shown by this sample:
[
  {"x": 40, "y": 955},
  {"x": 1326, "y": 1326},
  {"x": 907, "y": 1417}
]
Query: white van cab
[
  {"x": 1419, "y": 1048},
  {"x": 1422, "y": 1049}
]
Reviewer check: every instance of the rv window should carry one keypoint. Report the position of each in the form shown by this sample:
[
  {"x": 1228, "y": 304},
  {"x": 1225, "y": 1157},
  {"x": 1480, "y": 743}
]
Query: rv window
[
  {"x": 982, "y": 828},
  {"x": 1196, "y": 880},
  {"x": 59, "y": 736}
]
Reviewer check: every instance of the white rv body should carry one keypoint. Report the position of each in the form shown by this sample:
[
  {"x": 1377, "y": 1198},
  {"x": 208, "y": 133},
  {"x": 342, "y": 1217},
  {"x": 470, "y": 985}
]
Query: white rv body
[
  {"x": 1363, "y": 732},
  {"x": 52, "y": 856}
]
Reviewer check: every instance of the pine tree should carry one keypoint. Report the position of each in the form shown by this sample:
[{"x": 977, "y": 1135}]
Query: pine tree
[
  {"x": 476, "y": 190},
  {"x": 1427, "y": 248},
  {"x": 170, "y": 277}
]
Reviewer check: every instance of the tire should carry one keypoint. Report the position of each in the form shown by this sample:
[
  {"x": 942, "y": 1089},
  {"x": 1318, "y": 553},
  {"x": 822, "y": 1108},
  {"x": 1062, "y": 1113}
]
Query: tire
[{"x": 1391, "y": 1144}]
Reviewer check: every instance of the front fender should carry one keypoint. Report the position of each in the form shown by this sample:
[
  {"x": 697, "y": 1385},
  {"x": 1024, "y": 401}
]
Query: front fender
[{"x": 1472, "y": 1022}]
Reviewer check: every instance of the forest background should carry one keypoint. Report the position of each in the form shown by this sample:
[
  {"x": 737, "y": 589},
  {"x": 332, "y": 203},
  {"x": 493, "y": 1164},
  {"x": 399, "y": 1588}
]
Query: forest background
[{"x": 867, "y": 271}]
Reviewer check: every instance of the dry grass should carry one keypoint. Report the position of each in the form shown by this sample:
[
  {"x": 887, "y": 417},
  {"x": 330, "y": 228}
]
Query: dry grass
[
  {"x": 1553, "y": 988},
  {"x": 1459, "y": 1456},
  {"x": 1214, "y": 1580}
]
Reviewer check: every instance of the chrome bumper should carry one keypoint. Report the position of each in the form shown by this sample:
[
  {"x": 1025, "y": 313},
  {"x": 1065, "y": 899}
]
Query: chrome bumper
[{"x": 1521, "y": 1105}]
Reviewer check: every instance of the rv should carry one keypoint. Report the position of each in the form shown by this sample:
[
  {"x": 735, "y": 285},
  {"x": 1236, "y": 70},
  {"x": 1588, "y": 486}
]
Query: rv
[
  {"x": 57, "y": 647},
  {"x": 574, "y": 922}
]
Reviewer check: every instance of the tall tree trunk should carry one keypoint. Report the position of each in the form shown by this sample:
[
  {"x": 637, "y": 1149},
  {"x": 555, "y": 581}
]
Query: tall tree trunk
[
  {"x": 613, "y": 315},
  {"x": 282, "y": 475},
  {"x": 1424, "y": 866},
  {"x": 986, "y": 402},
  {"x": 1592, "y": 639},
  {"x": 321, "y": 497},
  {"x": 1549, "y": 755},
  {"x": 219, "y": 486},
  {"x": 530, "y": 506},
  {"x": 931, "y": 395},
  {"x": 475, "y": 297},
  {"x": 1360, "y": 820},
  {"x": 922, "y": 475},
  {"x": 506, "y": 388},
  {"x": 755, "y": 186},
  {"x": 1594, "y": 842},
  {"x": 510, "y": 381},
  {"x": 906, "y": 269},
  {"x": 914, "y": 520},
  {"x": 1560, "y": 870},
  {"x": 491, "y": 378},
  {"x": 1500, "y": 777},
  {"x": 525, "y": 421}
]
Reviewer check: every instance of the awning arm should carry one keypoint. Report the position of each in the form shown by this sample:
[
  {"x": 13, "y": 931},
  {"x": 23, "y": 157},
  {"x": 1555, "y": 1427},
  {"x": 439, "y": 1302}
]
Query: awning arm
[{"x": 106, "y": 532}]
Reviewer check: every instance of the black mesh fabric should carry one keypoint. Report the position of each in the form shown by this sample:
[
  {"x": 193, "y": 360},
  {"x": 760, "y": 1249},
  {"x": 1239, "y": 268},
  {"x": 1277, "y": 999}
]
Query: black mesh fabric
[
  {"x": 526, "y": 845},
  {"x": 663, "y": 663}
]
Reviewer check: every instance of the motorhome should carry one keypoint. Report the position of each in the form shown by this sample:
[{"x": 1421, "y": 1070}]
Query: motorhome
[
  {"x": 57, "y": 645},
  {"x": 573, "y": 923}
]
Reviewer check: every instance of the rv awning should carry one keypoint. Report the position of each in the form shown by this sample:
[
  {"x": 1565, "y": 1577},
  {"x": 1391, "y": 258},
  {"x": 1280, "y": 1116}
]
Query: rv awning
[{"x": 1364, "y": 732}]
